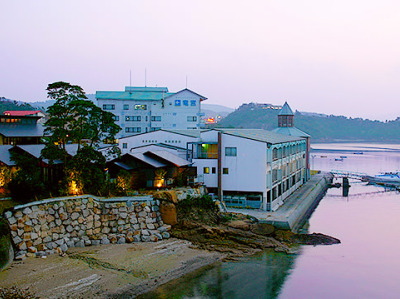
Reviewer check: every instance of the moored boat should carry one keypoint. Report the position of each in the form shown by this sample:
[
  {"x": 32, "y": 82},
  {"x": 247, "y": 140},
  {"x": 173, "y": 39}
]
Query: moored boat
[{"x": 387, "y": 178}]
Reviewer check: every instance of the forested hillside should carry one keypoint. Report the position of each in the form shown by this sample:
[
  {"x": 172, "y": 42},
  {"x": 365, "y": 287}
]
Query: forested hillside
[
  {"x": 6, "y": 104},
  {"x": 321, "y": 128}
]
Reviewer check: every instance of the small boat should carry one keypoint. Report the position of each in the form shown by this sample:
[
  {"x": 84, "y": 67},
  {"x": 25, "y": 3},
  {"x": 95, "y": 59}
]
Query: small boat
[
  {"x": 387, "y": 178},
  {"x": 343, "y": 157},
  {"x": 358, "y": 153},
  {"x": 338, "y": 159},
  {"x": 324, "y": 156}
]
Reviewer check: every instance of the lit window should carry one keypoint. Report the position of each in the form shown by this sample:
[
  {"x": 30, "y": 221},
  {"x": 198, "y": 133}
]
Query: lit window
[
  {"x": 177, "y": 102},
  {"x": 206, "y": 170},
  {"x": 140, "y": 107},
  {"x": 231, "y": 151},
  {"x": 225, "y": 170}
]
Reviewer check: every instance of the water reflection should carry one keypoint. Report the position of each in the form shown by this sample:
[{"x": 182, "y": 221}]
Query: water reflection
[{"x": 259, "y": 276}]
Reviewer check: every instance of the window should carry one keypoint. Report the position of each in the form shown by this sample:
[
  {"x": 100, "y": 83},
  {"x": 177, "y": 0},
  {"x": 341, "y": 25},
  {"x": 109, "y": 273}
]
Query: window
[
  {"x": 213, "y": 170},
  {"x": 173, "y": 125},
  {"x": 206, "y": 170},
  {"x": 177, "y": 102},
  {"x": 156, "y": 118},
  {"x": 185, "y": 103},
  {"x": 193, "y": 103},
  {"x": 126, "y": 107},
  {"x": 133, "y": 129},
  {"x": 108, "y": 107},
  {"x": 231, "y": 151},
  {"x": 155, "y": 129},
  {"x": 133, "y": 118},
  {"x": 116, "y": 117},
  {"x": 192, "y": 118},
  {"x": 140, "y": 107},
  {"x": 124, "y": 145},
  {"x": 225, "y": 170}
]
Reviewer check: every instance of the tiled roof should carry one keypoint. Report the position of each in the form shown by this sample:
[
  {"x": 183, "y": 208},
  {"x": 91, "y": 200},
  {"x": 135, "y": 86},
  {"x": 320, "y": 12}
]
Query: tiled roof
[
  {"x": 286, "y": 110},
  {"x": 18, "y": 130},
  {"x": 5, "y": 155},
  {"x": 260, "y": 135},
  {"x": 170, "y": 157},
  {"x": 291, "y": 131},
  {"x": 20, "y": 113}
]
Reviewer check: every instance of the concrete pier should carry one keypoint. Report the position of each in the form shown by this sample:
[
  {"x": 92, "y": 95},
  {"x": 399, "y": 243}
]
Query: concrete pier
[{"x": 297, "y": 207}]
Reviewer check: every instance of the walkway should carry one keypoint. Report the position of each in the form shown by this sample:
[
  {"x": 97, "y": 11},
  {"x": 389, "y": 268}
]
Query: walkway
[{"x": 296, "y": 207}]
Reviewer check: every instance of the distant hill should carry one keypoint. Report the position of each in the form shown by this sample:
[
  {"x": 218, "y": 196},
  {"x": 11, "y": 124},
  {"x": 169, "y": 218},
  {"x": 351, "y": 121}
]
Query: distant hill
[
  {"x": 321, "y": 127},
  {"x": 7, "y": 104}
]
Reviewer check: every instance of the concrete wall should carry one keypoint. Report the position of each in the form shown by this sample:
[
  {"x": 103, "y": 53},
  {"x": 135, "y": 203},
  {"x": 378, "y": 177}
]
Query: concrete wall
[{"x": 55, "y": 225}]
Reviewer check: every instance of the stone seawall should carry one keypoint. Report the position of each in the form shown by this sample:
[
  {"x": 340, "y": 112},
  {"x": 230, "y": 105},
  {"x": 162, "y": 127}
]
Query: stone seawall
[{"x": 54, "y": 225}]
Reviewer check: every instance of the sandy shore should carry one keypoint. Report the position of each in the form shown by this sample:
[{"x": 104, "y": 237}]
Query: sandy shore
[{"x": 108, "y": 270}]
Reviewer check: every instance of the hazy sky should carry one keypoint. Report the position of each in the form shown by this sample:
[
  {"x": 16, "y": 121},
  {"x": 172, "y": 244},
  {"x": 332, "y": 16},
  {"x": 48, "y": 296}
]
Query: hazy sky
[{"x": 335, "y": 57}]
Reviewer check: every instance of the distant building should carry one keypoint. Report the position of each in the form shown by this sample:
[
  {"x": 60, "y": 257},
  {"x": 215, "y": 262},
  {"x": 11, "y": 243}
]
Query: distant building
[
  {"x": 20, "y": 129},
  {"x": 147, "y": 109},
  {"x": 38, "y": 113}
]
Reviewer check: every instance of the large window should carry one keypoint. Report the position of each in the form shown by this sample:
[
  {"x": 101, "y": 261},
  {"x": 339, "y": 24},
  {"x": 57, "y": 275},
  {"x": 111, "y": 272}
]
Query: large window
[
  {"x": 133, "y": 118},
  {"x": 192, "y": 118},
  {"x": 126, "y": 107},
  {"x": 185, "y": 103},
  {"x": 177, "y": 102},
  {"x": 225, "y": 170},
  {"x": 108, "y": 107},
  {"x": 207, "y": 151},
  {"x": 156, "y": 118},
  {"x": 193, "y": 103},
  {"x": 133, "y": 129},
  {"x": 231, "y": 151},
  {"x": 140, "y": 107}
]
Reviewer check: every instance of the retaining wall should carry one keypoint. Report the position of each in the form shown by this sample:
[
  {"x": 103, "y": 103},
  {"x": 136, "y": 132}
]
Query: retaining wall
[{"x": 54, "y": 225}]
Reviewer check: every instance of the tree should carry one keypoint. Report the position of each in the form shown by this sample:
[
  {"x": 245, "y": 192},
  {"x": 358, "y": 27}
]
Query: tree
[{"x": 74, "y": 119}]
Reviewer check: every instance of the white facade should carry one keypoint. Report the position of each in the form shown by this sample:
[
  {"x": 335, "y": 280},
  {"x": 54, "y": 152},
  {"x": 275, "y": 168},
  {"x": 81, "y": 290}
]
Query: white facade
[
  {"x": 147, "y": 109},
  {"x": 254, "y": 168}
]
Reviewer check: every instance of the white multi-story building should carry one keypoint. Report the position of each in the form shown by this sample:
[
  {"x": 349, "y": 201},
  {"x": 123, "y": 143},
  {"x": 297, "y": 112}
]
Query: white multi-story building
[
  {"x": 147, "y": 109},
  {"x": 245, "y": 167}
]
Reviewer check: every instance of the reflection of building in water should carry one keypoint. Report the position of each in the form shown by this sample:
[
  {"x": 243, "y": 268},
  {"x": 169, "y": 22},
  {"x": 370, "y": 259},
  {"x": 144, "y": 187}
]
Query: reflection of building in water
[{"x": 260, "y": 276}]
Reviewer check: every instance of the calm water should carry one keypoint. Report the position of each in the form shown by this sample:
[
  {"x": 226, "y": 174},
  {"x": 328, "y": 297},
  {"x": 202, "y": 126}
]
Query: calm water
[{"x": 365, "y": 265}]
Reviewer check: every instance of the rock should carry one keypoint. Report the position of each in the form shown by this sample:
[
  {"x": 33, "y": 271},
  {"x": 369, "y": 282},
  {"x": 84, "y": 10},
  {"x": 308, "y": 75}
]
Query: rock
[
  {"x": 11, "y": 219},
  {"x": 51, "y": 211},
  {"x": 74, "y": 216},
  {"x": 123, "y": 215},
  {"x": 64, "y": 247},
  {"x": 150, "y": 226},
  {"x": 87, "y": 242},
  {"x": 32, "y": 249},
  {"x": 105, "y": 241},
  {"x": 145, "y": 232},
  {"x": 95, "y": 242},
  {"x": 27, "y": 211},
  {"x": 153, "y": 238},
  {"x": 47, "y": 239},
  {"x": 262, "y": 229},
  {"x": 166, "y": 235},
  {"x": 22, "y": 246},
  {"x": 20, "y": 257},
  {"x": 41, "y": 247},
  {"x": 70, "y": 244},
  {"x": 17, "y": 240},
  {"x": 8, "y": 215},
  {"x": 158, "y": 235},
  {"x": 129, "y": 239},
  {"x": 80, "y": 243},
  {"x": 60, "y": 242},
  {"x": 145, "y": 238},
  {"x": 137, "y": 238},
  {"x": 121, "y": 240}
]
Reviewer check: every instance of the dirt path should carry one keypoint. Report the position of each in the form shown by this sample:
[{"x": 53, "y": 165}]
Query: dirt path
[{"x": 107, "y": 270}]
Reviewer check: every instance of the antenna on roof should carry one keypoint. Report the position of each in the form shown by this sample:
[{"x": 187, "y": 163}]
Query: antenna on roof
[
  {"x": 145, "y": 77},
  {"x": 186, "y": 81},
  {"x": 130, "y": 81}
]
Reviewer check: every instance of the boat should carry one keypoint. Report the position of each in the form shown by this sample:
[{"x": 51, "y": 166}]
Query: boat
[
  {"x": 338, "y": 159},
  {"x": 386, "y": 178},
  {"x": 358, "y": 153},
  {"x": 343, "y": 157}
]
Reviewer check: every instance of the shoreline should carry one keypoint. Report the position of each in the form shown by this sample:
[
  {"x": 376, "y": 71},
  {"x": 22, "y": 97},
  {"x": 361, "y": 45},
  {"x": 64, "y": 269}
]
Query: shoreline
[{"x": 108, "y": 271}]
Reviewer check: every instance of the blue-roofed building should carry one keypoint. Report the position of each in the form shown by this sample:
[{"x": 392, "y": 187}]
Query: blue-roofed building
[{"x": 147, "y": 109}]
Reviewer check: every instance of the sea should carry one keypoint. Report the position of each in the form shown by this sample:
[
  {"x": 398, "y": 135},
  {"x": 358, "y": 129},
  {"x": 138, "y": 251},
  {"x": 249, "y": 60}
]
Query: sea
[{"x": 366, "y": 264}]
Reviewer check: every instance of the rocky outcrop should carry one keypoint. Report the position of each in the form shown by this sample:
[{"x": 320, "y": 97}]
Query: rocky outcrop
[{"x": 53, "y": 227}]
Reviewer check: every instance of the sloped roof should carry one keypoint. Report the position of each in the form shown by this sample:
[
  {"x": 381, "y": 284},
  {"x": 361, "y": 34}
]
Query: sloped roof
[
  {"x": 148, "y": 160},
  {"x": 21, "y": 130},
  {"x": 202, "y": 98},
  {"x": 290, "y": 131},
  {"x": 20, "y": 113},
  {"x": 5, "y": 155},
  {"x": 286, "y": 110},
  {"x": 170, "y": 157},
  {"x": 189, "y": 132},
  {"x": 260, "y": 135},
  {"x": 136, "y": 93}
]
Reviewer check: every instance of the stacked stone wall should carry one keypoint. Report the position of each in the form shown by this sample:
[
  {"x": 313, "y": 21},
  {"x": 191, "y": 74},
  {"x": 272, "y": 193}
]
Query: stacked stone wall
[{"x": 54, "y": 226}]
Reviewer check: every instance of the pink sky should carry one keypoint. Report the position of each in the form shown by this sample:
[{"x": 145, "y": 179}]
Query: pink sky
[{"x": 333, "y": 57}]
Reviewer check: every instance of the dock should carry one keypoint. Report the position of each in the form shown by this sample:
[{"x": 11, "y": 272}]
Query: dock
[{"x": 296, "y": 208}]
